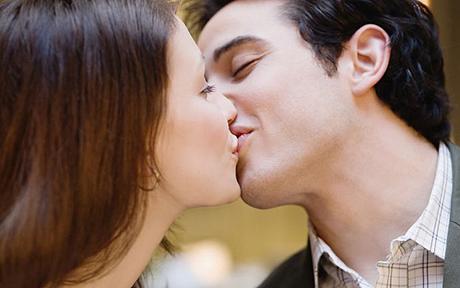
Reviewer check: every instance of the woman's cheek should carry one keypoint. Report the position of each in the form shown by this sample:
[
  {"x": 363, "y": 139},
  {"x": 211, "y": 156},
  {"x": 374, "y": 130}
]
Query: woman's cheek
[{"x": 219, "y": 133}]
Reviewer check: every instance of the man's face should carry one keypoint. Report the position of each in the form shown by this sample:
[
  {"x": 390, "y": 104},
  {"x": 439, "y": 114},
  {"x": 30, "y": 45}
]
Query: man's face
[{"x": 292, "y": 117}]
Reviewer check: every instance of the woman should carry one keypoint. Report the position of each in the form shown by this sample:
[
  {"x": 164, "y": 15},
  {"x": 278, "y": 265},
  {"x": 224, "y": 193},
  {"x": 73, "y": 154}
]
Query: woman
[{"x": 108, "y": 131}]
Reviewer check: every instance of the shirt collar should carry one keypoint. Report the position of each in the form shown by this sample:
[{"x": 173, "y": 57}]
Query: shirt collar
[
  {"x": 319, "y": 248},
  {"x": 428, "y": 231}
]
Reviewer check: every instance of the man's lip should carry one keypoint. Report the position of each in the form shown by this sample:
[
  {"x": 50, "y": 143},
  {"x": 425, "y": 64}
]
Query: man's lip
[{"x": 239, "y": 130}]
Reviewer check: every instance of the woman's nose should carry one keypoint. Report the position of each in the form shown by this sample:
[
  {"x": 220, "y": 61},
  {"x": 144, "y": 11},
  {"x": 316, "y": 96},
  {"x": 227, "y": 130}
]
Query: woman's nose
[{"x": 225, "y": 105}]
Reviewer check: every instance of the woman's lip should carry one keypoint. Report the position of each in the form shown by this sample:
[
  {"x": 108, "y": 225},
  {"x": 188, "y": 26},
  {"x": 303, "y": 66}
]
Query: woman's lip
[
  {"x": 234, "y": 145},
  {"x": 241, "y": 141}
]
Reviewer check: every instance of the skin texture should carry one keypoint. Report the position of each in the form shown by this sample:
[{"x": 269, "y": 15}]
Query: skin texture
[
  {"x": 327, "y": 144},
  {"x": 195, "y": 145}
]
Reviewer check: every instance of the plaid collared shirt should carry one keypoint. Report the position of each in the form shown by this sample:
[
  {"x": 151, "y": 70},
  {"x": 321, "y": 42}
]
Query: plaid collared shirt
[{"x": 416, "y": 259}]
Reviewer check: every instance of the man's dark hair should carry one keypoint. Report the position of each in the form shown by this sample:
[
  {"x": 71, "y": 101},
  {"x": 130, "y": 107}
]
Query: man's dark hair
[{"x": 413, "y": 85}]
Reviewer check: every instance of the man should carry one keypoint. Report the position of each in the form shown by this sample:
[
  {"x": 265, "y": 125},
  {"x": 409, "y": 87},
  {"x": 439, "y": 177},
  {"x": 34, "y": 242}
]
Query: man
[{"x": 343, "y": 111}]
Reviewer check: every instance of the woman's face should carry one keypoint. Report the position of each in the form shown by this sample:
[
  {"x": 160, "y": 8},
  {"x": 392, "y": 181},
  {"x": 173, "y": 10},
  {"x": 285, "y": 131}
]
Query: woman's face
[{"x": 196, "y": 152}]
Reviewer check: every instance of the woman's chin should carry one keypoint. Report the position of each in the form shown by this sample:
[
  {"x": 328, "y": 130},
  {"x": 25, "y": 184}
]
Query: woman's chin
[
  {"x": 234, "y": 194},
  {"x": 222, "y": 195}
]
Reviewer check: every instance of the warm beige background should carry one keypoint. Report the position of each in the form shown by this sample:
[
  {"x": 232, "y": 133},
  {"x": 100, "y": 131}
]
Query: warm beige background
[
  {"x": 447, "y": 13},
  {"x": 252, "y": 235}
]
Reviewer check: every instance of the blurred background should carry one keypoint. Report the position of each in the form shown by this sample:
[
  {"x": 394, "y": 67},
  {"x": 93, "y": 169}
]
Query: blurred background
[{"x": 236, "y": 246}]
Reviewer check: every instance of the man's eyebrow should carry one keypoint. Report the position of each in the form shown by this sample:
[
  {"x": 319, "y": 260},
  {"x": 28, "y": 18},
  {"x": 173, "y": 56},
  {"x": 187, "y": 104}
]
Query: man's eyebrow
[{"x": 235, "y": 42}]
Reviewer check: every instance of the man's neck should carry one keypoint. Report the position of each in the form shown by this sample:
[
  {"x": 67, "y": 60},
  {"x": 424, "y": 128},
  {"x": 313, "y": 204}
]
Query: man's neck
[{"x": 380, "y": 187}]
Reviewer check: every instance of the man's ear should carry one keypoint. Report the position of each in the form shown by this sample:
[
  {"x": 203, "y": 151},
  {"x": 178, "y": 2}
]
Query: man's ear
[{"x": 370, "y": 51}]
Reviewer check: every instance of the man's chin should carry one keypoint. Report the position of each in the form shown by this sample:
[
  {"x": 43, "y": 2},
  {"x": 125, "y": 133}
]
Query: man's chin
[
  {"x": 254, "y": 191},
  {"x": 256, "y": 198}
]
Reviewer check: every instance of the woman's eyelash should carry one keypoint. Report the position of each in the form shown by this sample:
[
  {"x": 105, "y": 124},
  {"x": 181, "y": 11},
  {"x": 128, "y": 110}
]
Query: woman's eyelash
[{"x": 208, "y": 89}]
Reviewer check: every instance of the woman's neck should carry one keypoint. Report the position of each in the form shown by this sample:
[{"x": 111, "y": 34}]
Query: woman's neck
[{"x": 161, "y": 212}]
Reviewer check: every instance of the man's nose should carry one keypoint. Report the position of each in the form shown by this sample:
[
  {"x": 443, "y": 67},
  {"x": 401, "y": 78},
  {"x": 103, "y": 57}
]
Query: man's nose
[{"x": 225, "y": 105}]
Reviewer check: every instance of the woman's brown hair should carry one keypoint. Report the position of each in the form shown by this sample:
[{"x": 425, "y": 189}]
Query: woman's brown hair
[{"x": 82, "y": 94}]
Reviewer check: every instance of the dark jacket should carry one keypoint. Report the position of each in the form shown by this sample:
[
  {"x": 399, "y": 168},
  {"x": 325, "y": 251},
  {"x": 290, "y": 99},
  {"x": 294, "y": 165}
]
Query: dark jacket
[{"x": 297, "y": 271}]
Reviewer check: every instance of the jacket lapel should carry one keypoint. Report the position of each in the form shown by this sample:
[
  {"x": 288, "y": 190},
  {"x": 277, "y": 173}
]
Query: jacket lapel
[{"x": 452, "y": 262}]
